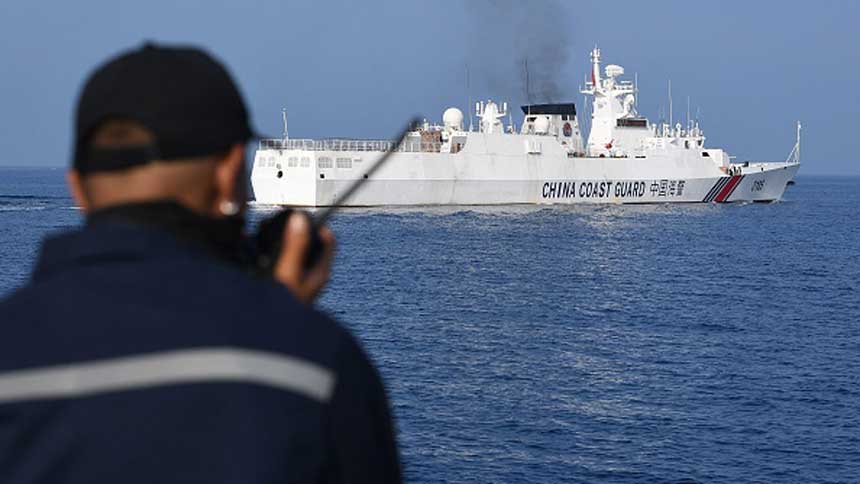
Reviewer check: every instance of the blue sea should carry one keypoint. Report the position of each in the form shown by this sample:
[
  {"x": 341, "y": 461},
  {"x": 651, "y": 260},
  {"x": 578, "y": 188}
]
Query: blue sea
[{"x": 622, "y": 344}]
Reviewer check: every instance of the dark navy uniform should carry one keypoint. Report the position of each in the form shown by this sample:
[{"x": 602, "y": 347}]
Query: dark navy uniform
[{"x": 137, "y": 355}]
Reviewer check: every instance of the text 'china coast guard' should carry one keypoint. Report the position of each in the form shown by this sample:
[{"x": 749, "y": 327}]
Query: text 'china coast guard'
[{"x": 626, "y": 159}]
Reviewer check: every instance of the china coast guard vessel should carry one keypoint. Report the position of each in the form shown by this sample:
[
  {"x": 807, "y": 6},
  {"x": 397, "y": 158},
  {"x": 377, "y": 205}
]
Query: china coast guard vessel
[{"x": 626, "y": 159}]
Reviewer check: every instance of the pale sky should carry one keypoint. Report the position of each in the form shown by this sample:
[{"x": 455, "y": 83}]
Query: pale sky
[{"x": 359, "y": 69}]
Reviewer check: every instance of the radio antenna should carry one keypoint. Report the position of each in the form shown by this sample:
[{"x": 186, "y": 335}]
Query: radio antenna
[
  {"x": 284, "y": 115},
  {"x": 528, "y": 86},
  {"x": 671, "y": 108},
  {"x": 469, "y": 97},
  {"x": 320, "y": 219},
  {"x": 688, "y": 112},
  {"x": 636, "y": 92},
  {"x": 270, "y": 237}
]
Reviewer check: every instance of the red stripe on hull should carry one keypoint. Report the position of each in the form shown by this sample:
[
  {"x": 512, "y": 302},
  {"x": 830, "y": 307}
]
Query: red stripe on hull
[{"x": 730, "y": 186}]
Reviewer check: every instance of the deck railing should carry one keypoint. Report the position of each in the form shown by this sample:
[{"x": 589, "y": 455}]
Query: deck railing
[{"x": 349, "y": 145}]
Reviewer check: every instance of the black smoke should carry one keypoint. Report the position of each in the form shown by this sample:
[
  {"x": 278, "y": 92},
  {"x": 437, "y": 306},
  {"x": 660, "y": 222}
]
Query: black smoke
[{"x": 508, "y": 35}]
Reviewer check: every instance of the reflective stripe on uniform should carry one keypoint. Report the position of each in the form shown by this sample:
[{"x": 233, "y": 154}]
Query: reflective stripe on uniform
[{"x": 200, "y": 365}]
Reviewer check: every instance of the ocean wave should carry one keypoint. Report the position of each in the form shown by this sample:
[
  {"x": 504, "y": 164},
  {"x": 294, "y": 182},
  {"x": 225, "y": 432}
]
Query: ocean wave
[
  {"x": 33, "y": 197},
  {"x": 21, "y": 208}
]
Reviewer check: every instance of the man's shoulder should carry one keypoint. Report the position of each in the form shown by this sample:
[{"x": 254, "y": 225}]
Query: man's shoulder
[
  {"x": 271, "y": 309},
  {"x": 182, "y": 299}
]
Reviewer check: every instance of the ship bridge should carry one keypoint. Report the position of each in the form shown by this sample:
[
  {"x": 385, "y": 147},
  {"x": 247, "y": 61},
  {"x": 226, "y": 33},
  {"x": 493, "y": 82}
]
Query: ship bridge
[{"x": 557, "y": 120}]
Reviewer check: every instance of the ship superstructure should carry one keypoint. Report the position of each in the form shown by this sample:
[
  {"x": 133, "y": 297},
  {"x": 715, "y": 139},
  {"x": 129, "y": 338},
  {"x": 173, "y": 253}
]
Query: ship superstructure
[{"x": 626, "y": 159}]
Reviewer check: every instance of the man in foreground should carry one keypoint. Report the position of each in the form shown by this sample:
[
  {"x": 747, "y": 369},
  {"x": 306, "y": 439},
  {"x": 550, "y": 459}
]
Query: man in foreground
[{"x": 146, "y": 349}]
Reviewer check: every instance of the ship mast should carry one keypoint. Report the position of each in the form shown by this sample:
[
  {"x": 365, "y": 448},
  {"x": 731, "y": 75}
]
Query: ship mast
[{"x": 614, "y": 99}]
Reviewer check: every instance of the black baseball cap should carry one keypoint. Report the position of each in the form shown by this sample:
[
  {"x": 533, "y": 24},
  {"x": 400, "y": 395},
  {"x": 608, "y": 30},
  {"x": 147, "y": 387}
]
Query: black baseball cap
[{"x": 185, "y": 97}]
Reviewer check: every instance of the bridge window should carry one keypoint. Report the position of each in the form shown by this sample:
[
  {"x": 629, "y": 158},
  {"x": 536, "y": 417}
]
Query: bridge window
[
  {"x": 632, "y": 123},
  {"x": 324, "y": 162},
  {"x": 306, "y": 162},
  {"x": 293, "y": 161},
  {"x": 344, "y": 162}
]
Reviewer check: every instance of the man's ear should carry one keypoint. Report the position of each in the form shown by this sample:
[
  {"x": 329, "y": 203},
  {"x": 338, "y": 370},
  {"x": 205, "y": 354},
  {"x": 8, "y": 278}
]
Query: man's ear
[
  {"x": 76, "y": 187},
  {"x": 230, "y": 177}
]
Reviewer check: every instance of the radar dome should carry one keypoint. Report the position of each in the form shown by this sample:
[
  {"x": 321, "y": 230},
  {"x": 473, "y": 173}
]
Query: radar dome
[
  {"x": 613, "y": 70},
  {"x": 453, "y": 118},
  {"x": 541, "y": 125}
]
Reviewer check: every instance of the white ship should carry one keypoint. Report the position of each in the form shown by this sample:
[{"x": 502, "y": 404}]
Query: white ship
[{"x": 627, "y": 159}]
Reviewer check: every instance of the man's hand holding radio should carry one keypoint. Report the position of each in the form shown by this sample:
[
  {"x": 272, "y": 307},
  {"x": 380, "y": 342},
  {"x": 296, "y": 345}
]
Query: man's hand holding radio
[{"x": 306, "y": 283}]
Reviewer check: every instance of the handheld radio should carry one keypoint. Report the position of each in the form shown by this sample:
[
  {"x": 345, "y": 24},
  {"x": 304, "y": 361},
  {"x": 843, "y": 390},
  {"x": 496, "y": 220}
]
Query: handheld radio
[{"x": 270, "y": 236}]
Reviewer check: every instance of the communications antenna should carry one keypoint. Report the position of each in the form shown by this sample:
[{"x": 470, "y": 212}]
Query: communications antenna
[
  {"x": 528, "y": 86},
  {"x": 688, "y": 112},
  {"x": 469, "y": 98},
  {"x": 671, "y": 107},
  {"x": 636, "y": 92}
]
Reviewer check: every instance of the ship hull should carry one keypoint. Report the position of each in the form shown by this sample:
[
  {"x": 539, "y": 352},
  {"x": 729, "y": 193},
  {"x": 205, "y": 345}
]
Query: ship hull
[{"x": 299, "y": 178}]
